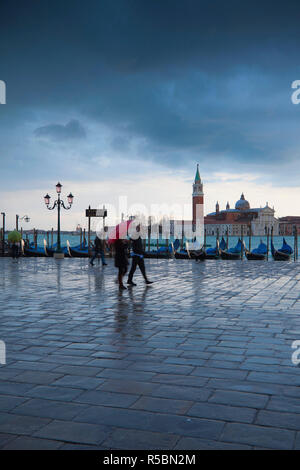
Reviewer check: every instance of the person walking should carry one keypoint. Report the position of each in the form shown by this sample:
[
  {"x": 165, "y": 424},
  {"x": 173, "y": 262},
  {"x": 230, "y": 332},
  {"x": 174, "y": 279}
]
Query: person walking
[
  {"x": 98, "y": 250},
  {"x": 15, "y": 250},
  {"x": 121, "y": 260},
  {"x": 137, "y": 260}
]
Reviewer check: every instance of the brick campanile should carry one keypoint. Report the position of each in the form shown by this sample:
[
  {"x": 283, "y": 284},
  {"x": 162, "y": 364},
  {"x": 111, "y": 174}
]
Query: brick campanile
[{"x": 198, "y": 197}]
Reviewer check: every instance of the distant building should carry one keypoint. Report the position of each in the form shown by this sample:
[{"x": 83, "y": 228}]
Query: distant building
[
  {"x": 241, "y": 220},
  {"x": 287, "y": 224}
]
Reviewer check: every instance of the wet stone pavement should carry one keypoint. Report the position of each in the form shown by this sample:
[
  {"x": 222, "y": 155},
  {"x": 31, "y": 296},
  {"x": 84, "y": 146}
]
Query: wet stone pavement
[{"x": 199, "y": 360}]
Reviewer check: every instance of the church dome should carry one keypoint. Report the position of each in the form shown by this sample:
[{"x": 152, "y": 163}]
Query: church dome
[{"x": 242, "y": 204}]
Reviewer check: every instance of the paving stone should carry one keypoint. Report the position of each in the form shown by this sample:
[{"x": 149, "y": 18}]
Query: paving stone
[
  {"x": 50, "y": 409},
  {"x": 9, "y": 402},
  {"x": 278, "y": 420},
  {"x": 37, "y": 377},
  {"x": 78, "y": 381},
  {"x": 188, "y": 380},
  {"x": 250, "y": 400},
  {"x": 286, "y": 379},
  {"x": 84, "y": 371},
  {"x": 284, "y": 404},
  {"x": 224, "y": 373},
  {"x": 121, "y": 374},
  {"x": 74, "y": 432},
  {"x": 53, "y": 393},
  {"x": 29, "y": 443},
  {"x": 17, "y": 424},
  {"x": 297, "y": 441},
  {"x": 268, "y": 437},
  {"x": 149, "y": 421},
  {"x": 162, "y": 404},
  {"x": 32, "y": 366},
  {"x": 181, "y": 392},
  {"x": 5, "y": 438},
  {"x": 133, "y": 440},
  {"x": 129, "y": 386},
  {"x": 190, "y": 443},
  {"x": 222, "y": 412},
  {"x": 101, "y": 397}
]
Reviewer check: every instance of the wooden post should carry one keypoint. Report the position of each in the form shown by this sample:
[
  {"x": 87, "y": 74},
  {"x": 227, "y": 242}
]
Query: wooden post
[
  {"x": 89, "y": 232},
  {"x": 80, "y": 237},
  {"x": 267, "y": 229},
  {"x": 227, "y": 238},
  {"x": 84, "y": 239},
  {"x": 294, "y": 230},
  {"x": 47, "y": 238},
  {"x": 242, "y": 239},
  {"x": 204, "y": 238},
  {"x": 182, "y": 234},
  {"x": 51, "y": 237},
  {"x": 149, "y": 232},
  {"x": 250, "y": 234}
]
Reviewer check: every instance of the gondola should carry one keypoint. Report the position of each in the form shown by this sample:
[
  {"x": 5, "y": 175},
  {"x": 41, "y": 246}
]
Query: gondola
[
  {"x": 37, "y": 252},
  {"x": 233, "y": 253},
  {"x": 154, "y": 254},
  {"x": 163, "y": 252},
  {"x": 190, "y": 253},
  {"x": 284, "y": 254},
  {"x": 182, "y": 254},
  {"x": 259, "y": 253},
  {"x": 77, "y": 252},
  {"x": 214, "y": 253}
]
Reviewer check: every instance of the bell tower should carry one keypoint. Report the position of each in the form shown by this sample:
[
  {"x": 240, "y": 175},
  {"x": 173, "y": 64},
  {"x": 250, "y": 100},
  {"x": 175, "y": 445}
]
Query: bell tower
[{"x": 198, "y": 197}]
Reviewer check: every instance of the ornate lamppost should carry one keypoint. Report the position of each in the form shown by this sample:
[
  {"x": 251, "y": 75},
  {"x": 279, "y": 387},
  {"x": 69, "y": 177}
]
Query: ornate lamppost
[
  {"x": 25, "y": 217},
  {"x": 58, "y": 203}
]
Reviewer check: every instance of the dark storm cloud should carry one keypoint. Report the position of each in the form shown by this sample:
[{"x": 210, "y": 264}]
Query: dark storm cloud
[
  {"x": 58, "y": 132},
  {"x": 190, "y": 79}
]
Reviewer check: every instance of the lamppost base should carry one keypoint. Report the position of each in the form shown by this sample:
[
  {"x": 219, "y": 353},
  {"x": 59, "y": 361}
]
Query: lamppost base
[{"x": 58, "y": 255}]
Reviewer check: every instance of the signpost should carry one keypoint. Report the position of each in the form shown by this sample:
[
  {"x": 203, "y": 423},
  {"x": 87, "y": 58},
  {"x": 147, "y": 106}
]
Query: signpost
[{"x": 94, "y": 213}]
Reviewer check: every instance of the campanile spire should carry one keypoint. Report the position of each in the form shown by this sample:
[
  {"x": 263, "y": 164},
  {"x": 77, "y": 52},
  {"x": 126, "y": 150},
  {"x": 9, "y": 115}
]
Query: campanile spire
[{"x": 198, "y": 197}]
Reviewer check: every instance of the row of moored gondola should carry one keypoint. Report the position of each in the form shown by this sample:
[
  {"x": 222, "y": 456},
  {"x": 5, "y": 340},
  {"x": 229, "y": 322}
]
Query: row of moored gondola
[
  {"x": 259, "y": 254},
  {"x": 219, "y": 251}
]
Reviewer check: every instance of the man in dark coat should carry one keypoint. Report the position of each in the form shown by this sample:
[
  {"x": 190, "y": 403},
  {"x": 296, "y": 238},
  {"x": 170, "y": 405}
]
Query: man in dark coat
[
  {"x": 98, "y": 250},
  {"x": 137, "y": 260}
]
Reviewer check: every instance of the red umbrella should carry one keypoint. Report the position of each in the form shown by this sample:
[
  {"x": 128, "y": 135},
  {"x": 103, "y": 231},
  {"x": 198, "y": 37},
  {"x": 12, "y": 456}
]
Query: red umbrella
[{"x": 120, "y": 231}]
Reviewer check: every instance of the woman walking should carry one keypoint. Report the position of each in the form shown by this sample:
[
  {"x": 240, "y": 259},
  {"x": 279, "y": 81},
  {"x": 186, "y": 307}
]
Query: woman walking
[{"x": 121, "y": 260}]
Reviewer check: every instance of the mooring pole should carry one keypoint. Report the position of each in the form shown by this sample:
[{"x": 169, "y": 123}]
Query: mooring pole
[
  {"x": 89, "y": 232},
  {"x": 295, "y": 249},
  {"x": 250, "y": 234}
]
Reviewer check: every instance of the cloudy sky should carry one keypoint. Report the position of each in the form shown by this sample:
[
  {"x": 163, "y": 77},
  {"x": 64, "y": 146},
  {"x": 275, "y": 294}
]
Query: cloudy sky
[{"x": 123, "y": 98}]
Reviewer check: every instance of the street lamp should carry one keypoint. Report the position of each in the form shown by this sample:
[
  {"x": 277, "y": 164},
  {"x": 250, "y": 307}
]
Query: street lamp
[
  {"x": 25, "y": 217},
  {"x": 59, "y": 202}
]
